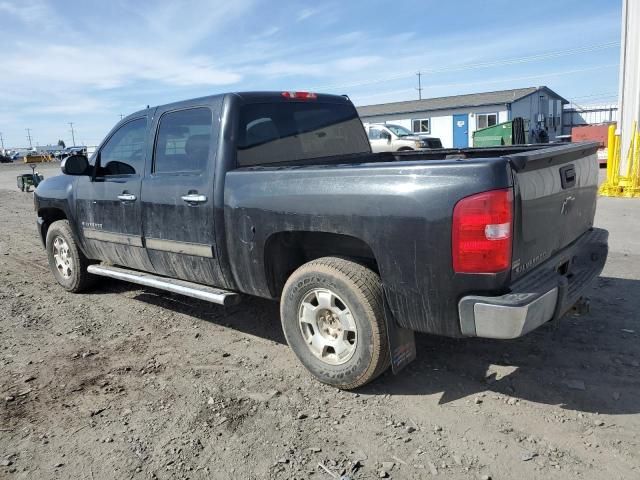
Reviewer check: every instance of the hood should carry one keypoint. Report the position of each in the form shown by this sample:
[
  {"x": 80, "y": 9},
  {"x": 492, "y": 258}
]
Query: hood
[{"x": 411, "y": 138}]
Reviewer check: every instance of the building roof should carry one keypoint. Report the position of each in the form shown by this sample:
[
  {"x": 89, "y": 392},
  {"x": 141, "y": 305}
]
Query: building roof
[{"x": 456, "y": 101}]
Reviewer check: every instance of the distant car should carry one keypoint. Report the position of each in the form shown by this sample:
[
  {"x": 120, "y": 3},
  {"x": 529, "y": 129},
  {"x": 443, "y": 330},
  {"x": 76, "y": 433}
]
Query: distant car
[
  {"x": 385, "y": 137},
  {"x": 75, "y": 151},
  {"x": 5, "y": 159}
]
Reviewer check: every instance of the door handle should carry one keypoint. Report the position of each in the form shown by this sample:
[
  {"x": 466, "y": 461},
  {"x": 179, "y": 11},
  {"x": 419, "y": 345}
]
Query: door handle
[
  {"x": 194, "y": 198},
  {"x": 127, "y": 197}
]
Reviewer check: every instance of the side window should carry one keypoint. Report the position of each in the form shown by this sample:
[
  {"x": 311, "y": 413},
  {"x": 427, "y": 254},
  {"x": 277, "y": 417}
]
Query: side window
[
  {"x": 123, "y": 154},
  {"x": 484, "y": 120},
  {"x": 374, "y": 134},
  {"x": 421, "y": 126},
  {"x": 183, "y": 141}
]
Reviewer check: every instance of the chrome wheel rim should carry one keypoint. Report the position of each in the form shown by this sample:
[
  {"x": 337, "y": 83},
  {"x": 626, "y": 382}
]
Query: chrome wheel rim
[
  {"x": 327, "y": 326},
  {"x": 62, "y": 257}
]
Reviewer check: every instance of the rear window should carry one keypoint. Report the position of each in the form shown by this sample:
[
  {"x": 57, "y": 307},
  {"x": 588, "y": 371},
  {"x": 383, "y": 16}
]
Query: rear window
[{"x": 282, "y": 132}]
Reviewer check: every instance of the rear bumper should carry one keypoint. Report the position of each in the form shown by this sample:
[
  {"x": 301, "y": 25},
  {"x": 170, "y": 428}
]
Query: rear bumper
[{"x": 543, "y": 294}]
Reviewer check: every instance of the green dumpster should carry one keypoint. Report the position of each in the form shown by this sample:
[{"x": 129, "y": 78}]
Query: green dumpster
[{"x": 506, "y": 133}]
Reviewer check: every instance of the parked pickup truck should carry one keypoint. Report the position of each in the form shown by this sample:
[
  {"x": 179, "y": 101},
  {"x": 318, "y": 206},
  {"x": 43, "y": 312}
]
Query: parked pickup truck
[
  {"x": 278, "y": 195},
  {"x": 386, "y": 137}
]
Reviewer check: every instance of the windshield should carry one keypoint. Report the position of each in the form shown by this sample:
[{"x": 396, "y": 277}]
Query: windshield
[{"x": 399, "y": 131}]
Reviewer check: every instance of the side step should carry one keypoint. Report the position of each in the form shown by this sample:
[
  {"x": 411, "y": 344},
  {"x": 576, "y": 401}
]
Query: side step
[{"x": 190, "y": 289}]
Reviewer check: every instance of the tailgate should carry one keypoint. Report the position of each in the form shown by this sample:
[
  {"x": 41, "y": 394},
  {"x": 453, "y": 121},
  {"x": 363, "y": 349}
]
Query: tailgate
[{"x": 555, "y": 200}]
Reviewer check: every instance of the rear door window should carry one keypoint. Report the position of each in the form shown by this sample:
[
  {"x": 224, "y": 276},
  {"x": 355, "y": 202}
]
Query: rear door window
[
  {"x": 183, "y": 141},
  {"x": 282, "y": 132}
]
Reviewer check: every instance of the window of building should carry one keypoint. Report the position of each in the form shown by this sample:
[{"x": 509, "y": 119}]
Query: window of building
[
  {"x": 183, "y": 141},
  {"x": 422, "y": 125},
  {"x": 123, "y": 154},
  {"x": 484, "y": 120}
]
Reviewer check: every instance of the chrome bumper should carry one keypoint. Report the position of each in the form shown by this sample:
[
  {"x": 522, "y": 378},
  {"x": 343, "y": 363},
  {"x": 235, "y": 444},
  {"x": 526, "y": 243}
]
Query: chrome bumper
[{"x": 542, "y": 295}]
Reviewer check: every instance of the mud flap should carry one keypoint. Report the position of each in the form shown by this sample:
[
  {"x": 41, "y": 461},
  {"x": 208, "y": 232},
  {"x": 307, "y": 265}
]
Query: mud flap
[
  {"x": 402, "y": 343},
  {"x": 561, "y": 308}
]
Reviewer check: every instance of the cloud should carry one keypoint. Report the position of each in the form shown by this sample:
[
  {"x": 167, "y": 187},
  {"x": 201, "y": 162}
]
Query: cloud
[
  {"x": 29, "y": 12},
  {"x": 111, "y": 67},
  {"x": 269, "y": 32},
  {"x": 317, "y": 69},
  {"x": 306, "y": 13}
]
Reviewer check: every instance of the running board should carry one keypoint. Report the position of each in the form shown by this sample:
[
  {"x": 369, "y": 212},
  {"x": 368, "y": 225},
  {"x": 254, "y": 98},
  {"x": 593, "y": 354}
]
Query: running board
[{"x": 190, "y": 289}]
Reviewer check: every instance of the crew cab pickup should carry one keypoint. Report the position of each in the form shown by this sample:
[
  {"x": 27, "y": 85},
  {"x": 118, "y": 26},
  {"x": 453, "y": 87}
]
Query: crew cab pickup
[
  {"x": 278, "y": 195},
  {"x": 387, "y": 137}
]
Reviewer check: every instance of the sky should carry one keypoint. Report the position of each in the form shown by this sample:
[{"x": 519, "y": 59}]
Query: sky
[{"x": 88, "y": 62}]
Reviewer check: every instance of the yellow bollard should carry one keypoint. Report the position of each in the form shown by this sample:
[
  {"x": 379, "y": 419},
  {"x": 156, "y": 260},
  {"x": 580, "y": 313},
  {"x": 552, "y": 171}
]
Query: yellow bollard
[
  {"x": 611, "y": 139},
  {"x": 617, "y": 185}
]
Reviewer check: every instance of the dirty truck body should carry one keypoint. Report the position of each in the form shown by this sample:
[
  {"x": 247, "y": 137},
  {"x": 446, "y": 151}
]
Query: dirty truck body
[{"x": 278, "y": 195}]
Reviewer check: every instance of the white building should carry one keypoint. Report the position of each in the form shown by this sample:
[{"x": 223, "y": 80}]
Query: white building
[{"x": 454, "y": 119}]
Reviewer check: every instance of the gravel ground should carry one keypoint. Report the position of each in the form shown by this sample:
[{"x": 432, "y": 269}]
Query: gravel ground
[{"x": 129, "y": 382}]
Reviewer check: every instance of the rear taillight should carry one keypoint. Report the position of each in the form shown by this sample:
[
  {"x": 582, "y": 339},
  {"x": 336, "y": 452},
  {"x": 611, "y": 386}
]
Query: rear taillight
[
  {"x": 300, "y": 95},
  {"x": 482, "y": 231}
]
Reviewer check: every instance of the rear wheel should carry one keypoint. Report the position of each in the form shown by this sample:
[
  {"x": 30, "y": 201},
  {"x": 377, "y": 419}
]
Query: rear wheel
[
  {"x": 66, "y": 261},
  {"x": 333, "y": 318}
]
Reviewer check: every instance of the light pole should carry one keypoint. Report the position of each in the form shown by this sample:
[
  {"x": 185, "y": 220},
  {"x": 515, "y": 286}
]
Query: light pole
[
  {"x": 29, "y": 137},
  {"x": 73, "y": 136}
]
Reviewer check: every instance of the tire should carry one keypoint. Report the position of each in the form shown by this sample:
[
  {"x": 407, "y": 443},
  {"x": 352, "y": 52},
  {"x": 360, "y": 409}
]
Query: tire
[
  {"x": 361, "y": 350},
  {"x": 69, "y": 267}
]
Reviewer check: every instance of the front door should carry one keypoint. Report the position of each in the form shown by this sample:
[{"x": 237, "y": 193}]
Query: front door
[
  {"x": 108, "y": 205},
  {"x": 461, "y": 131},
  {"x": 177, "y": 196},
  {"x": 380, "y": 140}
]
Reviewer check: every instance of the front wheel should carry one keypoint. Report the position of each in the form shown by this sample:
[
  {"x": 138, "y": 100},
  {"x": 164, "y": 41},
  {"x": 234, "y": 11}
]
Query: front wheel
[
  {"x": 66, "y": 261},
  {"x": 333, "y": 319}
]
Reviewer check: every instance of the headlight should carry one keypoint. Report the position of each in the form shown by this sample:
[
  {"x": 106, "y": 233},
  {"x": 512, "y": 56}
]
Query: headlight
[{"x": 419, "y": 144}]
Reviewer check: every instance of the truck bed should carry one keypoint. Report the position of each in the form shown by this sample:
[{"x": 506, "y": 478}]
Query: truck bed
[{"x": 403, "y": 203}]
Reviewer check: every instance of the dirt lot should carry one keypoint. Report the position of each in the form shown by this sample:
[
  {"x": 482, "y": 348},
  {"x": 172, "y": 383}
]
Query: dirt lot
[{"x": 129, "y": 382}]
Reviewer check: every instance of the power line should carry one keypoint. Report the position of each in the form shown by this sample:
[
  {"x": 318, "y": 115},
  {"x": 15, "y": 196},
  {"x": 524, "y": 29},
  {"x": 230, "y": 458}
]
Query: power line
[{"x": 473, "y": 66}]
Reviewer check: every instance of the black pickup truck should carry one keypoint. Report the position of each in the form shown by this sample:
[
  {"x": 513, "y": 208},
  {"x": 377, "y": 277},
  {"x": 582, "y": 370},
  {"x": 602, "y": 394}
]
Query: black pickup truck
[{"x": 278, "y": 195}]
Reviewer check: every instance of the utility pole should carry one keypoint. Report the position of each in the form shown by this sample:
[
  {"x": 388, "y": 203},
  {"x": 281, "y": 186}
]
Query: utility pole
[
  {"x": 121, "y": 116},
  {"x": 29, "y": 137},
  {"x": 2, "y": 142},
  {"x": 419, "y": 74},
  {"x": 73, "y": 136}
]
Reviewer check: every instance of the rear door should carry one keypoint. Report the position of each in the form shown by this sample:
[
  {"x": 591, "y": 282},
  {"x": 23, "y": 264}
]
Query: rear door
[
  {"x": 108, "y": 206},
  {"x": 556, "y": 194},
  {"x": 177, "y": 195}
]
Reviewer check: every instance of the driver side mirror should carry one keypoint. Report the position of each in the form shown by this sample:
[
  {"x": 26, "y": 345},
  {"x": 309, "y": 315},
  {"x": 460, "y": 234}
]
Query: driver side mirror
[
  {"x": 386, "y": 136},
  {"x": 75, "y": 165}
]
